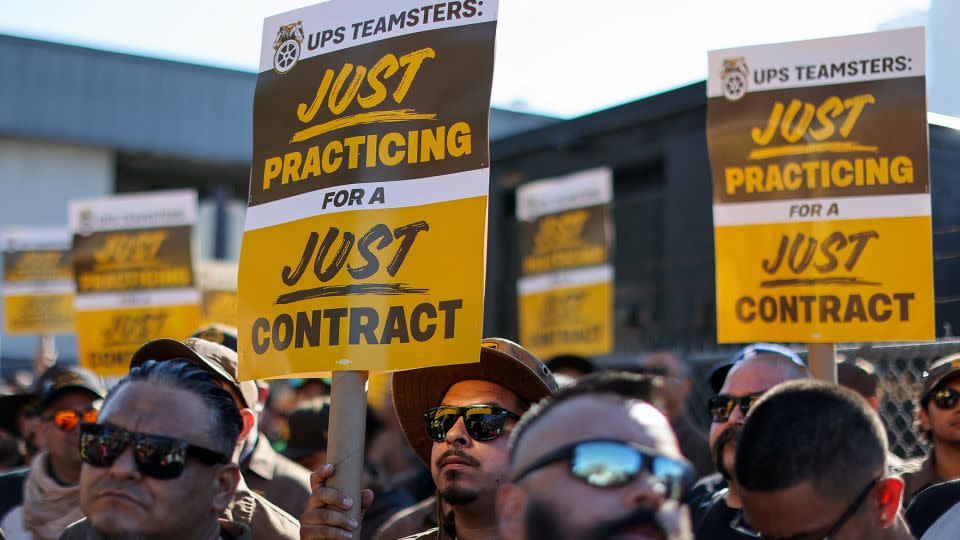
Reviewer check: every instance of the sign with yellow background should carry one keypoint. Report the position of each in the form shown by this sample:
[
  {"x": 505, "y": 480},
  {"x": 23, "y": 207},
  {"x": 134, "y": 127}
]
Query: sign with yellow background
[
  {"x": 38, "y": 281},
  {"x": 133, "y": 269},
  {"x": 565, "y": 290},
  {"x": 218, "y": 287},
  {"x": 821, "y": 190},
  {"x": 364, "y": 241}
]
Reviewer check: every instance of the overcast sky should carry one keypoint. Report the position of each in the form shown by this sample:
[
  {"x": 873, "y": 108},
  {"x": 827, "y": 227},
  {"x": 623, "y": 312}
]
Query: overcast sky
[{"x": 557, "y": 57}]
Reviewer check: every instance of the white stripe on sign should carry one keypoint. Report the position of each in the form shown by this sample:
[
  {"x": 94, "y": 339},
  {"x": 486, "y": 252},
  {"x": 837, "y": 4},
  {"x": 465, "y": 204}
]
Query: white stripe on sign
[
  {"x": 832, "y": 209},
  {"x": 133, "y": 299},
  {"x": 819, "y": 62},
  {"x": 396, "y": 194},
  {"x": 29, "y": 288},
  {"x": 133, "y": 211},
  {"x": 561, "y": 279},
  {"x": 16, "y": 239},
  {"x": 553, "y": 195},
  {"x": 336, "y": 25}
]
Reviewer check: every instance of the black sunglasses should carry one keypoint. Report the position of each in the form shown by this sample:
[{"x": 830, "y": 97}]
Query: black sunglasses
[
  {"x": 721, "y": 407},
  {"x": 156, "y": 456},
  {"x": 945, "y": 398},
  {"x": 483, "y": 422},
  {"x": 610, "y": 463},
  {"x": 739, "y": 525}
]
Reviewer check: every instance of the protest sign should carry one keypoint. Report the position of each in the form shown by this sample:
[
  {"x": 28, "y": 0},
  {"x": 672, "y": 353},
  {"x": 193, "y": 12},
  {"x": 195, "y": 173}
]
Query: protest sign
[
  {"x": 133, "y": 269},
  {"x": 821, "y": 190},
  {"x": 38, "y": 281},
  {"x": 364, "y": 241},
  {"x": 218, "y": 289},
  {"x": 565, "y": 290}
]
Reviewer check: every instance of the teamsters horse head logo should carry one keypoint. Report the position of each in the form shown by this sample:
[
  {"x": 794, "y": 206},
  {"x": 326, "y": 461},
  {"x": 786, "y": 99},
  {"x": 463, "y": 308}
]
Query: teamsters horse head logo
[
  {"x": 734, "y": 77},
  {"x": 286, "y": 48}
]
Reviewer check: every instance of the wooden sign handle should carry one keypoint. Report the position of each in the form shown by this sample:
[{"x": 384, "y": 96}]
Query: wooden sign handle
[
  {"x": 821, "y": 357},
  {"x": 348, "y": 422}
]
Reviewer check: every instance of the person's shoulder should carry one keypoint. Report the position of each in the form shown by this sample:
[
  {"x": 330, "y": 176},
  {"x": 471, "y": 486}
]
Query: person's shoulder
[
  {"x": 291, "y": 470},
  {"x": 78, "y": 530},
  {"x": 431, "y": 533},
  {"x": 265, "y": 519},
  {"x": 11, "y": 489},
  {"x": 931, "y": 504},
  {"x": 233, "y": 530},
  {"x": 413, "y": 518},
  {"x": 267, "y": 507},
  {"x": 704, "y": 489},
  {"x": 715, "y": 520}
]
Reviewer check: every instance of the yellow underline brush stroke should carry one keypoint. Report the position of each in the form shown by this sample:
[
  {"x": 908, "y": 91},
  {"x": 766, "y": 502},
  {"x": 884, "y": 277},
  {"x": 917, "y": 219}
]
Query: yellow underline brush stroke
[
  {"x": 375, "y": 117},
  {"x": 813, "y": 148}
]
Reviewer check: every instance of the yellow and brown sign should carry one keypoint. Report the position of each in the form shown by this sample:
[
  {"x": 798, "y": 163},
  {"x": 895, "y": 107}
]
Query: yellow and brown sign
[
  {"x": 565, "y": 290},
  {"x": 364, "y": 242},
  {"x": 821, "y": 190},
  {"x": 38, "y": 281},
  {"x": 133, "y": 270},
  {"x": 218, "y": 285}
]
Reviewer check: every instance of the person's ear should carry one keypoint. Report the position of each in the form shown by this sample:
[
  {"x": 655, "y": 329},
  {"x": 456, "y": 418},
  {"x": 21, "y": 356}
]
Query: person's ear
[
  {"x": 924, "y": 419},
  {"x": 249, "y": 420},
  {"x": 889, "y": 492},
  {"x": 511, "y": 507},
  {"x": 227, "y": 480}
]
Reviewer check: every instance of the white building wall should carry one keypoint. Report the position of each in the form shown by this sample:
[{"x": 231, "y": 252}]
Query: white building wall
[{"x": 37, "y": 181}]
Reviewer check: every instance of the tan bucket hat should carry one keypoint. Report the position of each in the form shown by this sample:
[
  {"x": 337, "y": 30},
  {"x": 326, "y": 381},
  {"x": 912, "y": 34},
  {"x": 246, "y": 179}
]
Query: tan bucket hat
[{"x": 501, "y": 361}]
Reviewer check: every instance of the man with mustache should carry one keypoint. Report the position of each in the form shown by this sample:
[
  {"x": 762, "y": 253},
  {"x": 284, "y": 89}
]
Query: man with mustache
[
  {"x": 157, "y": 464},
  {"x": 458, "y": 420},
  {"x": 738, "y": 383},
  {"x": 596, "y": 461}
]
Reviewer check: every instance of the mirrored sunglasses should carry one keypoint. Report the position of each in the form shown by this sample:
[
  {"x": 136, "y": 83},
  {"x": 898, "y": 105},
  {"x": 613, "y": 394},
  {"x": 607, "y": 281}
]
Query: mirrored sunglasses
[
  {"x": 156, "y": 456},
  {"x": 483, "y": 422},
  {"x": 612, "y": 463}
]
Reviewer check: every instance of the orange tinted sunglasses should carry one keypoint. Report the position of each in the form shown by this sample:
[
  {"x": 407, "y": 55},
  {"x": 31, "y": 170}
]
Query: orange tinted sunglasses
[{"x": 68, "y": 419}]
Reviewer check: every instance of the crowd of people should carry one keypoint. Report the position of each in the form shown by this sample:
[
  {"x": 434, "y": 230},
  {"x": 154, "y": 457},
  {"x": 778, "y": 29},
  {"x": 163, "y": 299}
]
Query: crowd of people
[{"x": 508, "y": 447}]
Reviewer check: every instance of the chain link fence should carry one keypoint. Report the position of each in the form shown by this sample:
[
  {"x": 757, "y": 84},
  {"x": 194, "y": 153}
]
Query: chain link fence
[{"x": 899, "y": 368}]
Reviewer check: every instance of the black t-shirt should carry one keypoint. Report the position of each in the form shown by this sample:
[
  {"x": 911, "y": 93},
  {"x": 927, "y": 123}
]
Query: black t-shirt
[
  {"x": 715, "y": 521},
  {"x": 930, "y": 504},
  {"x": 11, "y": 489},
  {"x": 700, "y": 496}
]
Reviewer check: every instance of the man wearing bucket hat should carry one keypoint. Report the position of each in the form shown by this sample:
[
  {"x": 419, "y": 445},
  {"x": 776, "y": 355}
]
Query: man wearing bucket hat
[
  {"x": 266, "y": 520},
  {"x": 938, "y": 416},
  {"x": 457, "y": 419}
]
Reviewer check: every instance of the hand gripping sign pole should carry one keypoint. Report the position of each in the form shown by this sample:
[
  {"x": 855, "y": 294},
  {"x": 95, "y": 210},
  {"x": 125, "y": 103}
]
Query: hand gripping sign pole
[
  {"x": 364, "y": 245},
  {"x": 348, "y": 413}
]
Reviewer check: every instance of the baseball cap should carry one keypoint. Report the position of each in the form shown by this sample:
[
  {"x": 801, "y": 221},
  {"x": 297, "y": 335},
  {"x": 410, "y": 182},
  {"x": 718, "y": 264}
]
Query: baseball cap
[
  {"x": 59, "y": 379},
  {"x": 575, "y": 362},
  {"x": 938, "y": 372},
  {"x": 218, "y": 359},
  {"x": 223, "y": 334},
  {"x": 859, "y": 376},
  {"x": 501, "y": 361},
  {"x": 719, "y": 373},
  {"x": 309, "y": 424}
]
